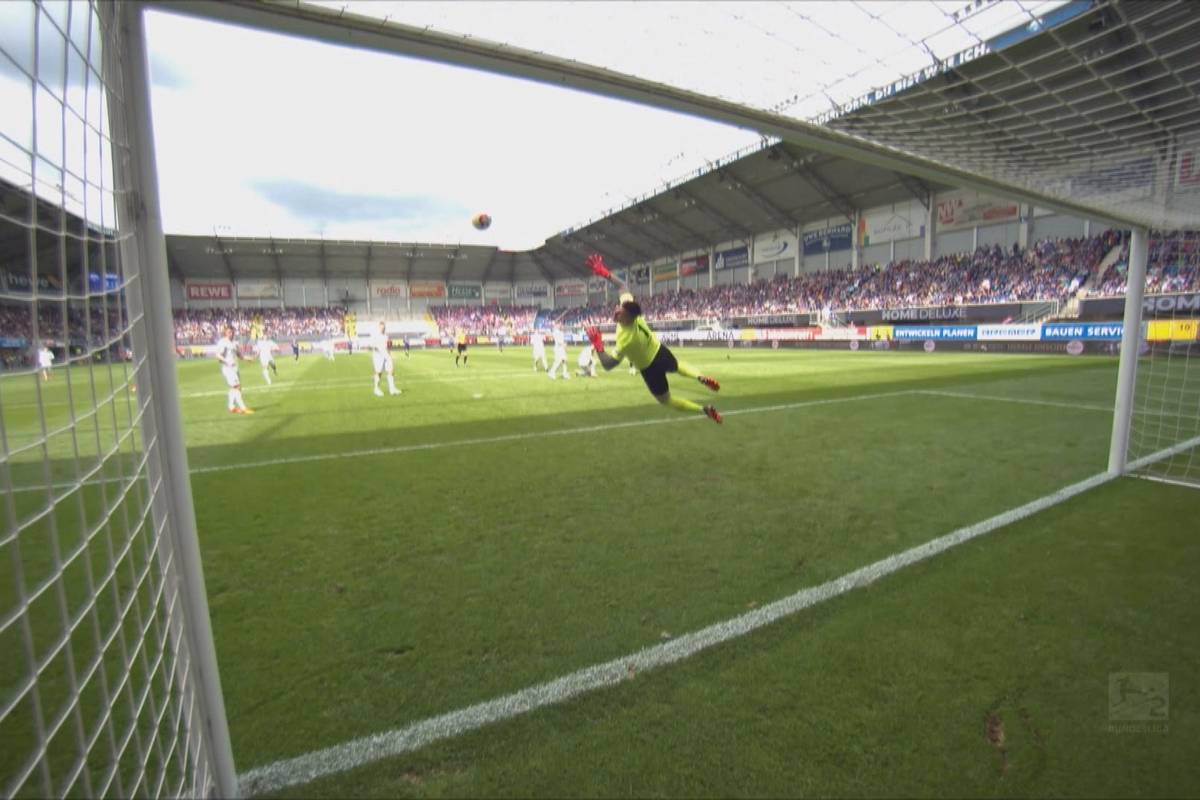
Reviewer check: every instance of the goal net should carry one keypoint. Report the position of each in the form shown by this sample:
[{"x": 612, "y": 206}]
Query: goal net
[
  {"x": 1164, "y": 433},
  {"x": 108, "y": 684}
]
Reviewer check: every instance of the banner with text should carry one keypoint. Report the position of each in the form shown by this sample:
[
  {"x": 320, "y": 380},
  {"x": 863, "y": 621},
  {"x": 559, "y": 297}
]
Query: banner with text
[
  {"x": 20, "y": 282},
  {"x": 889, "y": 225},
  {"x": 954, "y": 333},
  {"x": 532, "y": 291},
  {"x": 258, "y": 290},
  {"x": 570, "y": 288},
  {"x": 497, "y": 291},
  {"x": 666, "y": 272},
  {"x": 1010, "y": 333},
  {"x": 965, "y": 208},
  {"x": 775, "y": 246},
  {"x": 733, "y": 258},
  {"x": 389, "y": 289},
  {"x": 1083, "y": 332},
  {"x": 464, "y": 291},
  {"x": 693, "y": 265},
  {"x": 208, "y": 291},
  {"x": 427, "y": 289},
  {"x": 827, "y": 240}
]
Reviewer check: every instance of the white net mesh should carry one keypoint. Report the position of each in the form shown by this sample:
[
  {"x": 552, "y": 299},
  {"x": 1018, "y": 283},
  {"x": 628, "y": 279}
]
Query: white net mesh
[
  {"x": 98, "y": 689},
  {"x": 1165, "y": 428}
]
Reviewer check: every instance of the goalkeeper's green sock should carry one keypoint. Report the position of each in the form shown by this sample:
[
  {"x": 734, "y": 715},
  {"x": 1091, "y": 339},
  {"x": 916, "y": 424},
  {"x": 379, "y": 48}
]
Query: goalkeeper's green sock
[
  {"x": 679, "y": 404},
  {"x": 686, "y": 370}
]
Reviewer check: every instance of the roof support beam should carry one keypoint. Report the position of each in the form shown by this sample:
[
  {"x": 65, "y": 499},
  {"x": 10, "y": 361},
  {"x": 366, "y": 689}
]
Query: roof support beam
[
  {"x": 278, "y": 267},
  {"x": 916, "y": 187},
  {"x": 692, "y": 236},
  {"x": 645, "y": 230},
  {"x": 537, "y": 260},
  {"x": 831, "y": 195},
  {"x": 223, "y": 251},
  {"x": 487, "y": 270},
  {"x": 725, "y": 222},
  {"x": 727, "y": 176}
]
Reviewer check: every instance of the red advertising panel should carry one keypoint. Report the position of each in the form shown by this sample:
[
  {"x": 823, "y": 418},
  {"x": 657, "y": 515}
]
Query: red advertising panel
[{"x": 210, "y": 291}]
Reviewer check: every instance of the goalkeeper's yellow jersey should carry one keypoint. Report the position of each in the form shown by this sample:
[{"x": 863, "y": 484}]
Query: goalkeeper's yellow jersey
[{"x": 637, "y": 343}]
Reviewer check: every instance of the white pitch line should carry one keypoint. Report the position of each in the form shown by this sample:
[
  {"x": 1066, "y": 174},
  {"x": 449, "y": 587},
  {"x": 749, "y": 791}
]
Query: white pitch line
[
  {"x": 368, "y": 749},
  {"x": 493, "y": 439},
  {"x": 515, "y": 437},
  {"x": 1021, "y": 400}
]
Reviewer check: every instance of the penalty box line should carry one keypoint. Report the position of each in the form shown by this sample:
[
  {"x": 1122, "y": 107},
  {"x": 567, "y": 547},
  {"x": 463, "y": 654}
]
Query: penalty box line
[
  {"x": 368, "y": 749},
  {"x": 516, "y": 437}
]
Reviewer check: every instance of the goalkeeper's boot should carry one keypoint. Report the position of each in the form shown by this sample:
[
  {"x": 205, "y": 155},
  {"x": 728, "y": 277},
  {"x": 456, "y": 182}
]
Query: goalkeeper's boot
[
  {"x": 711, "y": 383},
  {"x": 247, "y": 410},
  {"x": 713, "y": 414}
]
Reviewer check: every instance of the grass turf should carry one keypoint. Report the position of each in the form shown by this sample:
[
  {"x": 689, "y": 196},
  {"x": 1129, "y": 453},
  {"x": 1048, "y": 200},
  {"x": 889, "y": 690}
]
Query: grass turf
[{"x": 393, "y": 558}]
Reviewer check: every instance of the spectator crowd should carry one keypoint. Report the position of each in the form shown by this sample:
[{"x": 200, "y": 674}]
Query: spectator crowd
[
  {"x": 483, "y": 320},
  {"x": 204, "y": 326}
]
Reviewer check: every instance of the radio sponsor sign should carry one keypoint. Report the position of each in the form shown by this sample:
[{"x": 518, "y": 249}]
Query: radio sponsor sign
[
  {"x": 258, "y": 290},
  {"x": 465, "y": 291},
  {"x": 963, "y": 209},
  {"x": 781, "y": 334},
  {"x": 826, "y": 240},
  {"x": 952, "y": 333},
  {"x": 427, "y": 289},
  {"x": 532, "y": 291},
  {"x": 1084, "y": 332},
  {"x": 570, "y": 288},
  {"x": 1010, "y": 333},
  {"x": 733, "y": 258},
  {"x": 389, "y": 289},
  {"x": 208, "y": 291},
  {"x": 774, "y": 246},
  {"x": 693, "y": 265}
]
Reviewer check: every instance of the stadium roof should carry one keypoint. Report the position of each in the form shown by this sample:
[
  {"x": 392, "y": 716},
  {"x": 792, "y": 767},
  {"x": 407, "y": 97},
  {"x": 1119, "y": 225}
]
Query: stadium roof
[
  {"x": 1097, "y": 116},
  {"x": 1108, "y": 62},
  {"x": 776, "y": 187}
]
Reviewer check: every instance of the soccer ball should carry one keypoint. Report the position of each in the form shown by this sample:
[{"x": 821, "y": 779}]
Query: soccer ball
[{"x": 481, "y": 221}]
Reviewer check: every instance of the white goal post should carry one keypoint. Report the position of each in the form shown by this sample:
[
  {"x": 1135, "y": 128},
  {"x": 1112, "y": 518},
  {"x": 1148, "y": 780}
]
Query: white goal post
[{"x": 108, "y": 671}]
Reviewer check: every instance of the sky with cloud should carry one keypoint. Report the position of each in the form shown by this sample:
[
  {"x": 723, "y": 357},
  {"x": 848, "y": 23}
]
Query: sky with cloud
[{"x": 264, "y": 135}]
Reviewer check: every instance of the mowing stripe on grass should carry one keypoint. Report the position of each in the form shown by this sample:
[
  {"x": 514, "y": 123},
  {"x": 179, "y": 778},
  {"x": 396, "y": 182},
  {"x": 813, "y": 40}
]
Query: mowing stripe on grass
[
  {"x": 407, "y": 448},
  {"x": 516, "y": 437},
  {"x": 368, "y": 749},
  {"x": 1025, "y": 400}
]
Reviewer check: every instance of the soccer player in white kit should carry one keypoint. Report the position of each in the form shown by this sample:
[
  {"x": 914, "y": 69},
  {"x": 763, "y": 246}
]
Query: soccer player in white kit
[
  {"x": 539, "y": 349},
  {"x": 45, "y": 361},
  {"x": 586, "y": 363},
  {"x": 228, "y": 355},
  {"x": 265, "y": 349},
  {"x": 383, "y": 360},
  {"x": 560, "y": 354}
]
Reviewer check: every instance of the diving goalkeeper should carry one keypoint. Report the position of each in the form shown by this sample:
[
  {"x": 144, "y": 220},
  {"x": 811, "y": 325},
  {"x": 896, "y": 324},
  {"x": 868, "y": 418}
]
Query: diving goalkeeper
[{"x": 638, "y": 343}]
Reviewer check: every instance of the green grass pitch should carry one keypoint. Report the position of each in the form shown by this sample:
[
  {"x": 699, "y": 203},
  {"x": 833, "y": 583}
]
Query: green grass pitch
[{"x": 375, "y": 561}]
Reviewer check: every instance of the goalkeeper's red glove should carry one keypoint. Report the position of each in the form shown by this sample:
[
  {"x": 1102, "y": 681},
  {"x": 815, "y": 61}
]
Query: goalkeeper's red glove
[
  {"x": 593, "y": 333},
  {"x": 596, "y": 262}
]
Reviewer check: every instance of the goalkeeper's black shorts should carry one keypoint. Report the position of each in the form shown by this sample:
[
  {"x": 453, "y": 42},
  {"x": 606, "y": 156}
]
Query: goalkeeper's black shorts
[{"x": 655, "y": 375}]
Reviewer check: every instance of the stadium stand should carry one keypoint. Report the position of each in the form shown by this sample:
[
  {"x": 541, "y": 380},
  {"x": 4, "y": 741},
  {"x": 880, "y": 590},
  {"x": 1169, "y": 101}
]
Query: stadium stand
[
  {"x": 483, "y": 320},
  {"x": 204, "y": 326}
]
